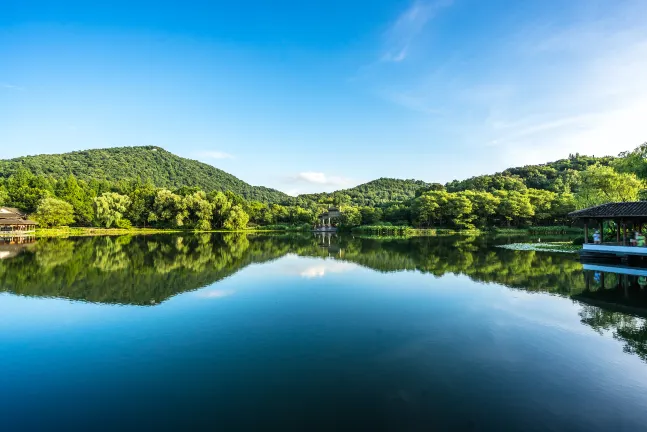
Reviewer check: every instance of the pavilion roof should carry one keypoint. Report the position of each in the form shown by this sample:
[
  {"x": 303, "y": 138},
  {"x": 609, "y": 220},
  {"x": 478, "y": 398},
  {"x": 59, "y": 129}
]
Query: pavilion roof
[
  {"x": 10, "y": 212},
  {"x": 635, "y": 209}
]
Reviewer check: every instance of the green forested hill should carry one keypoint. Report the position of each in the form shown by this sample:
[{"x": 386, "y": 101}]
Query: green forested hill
[
  {"x": 553, "y": 176},
  {"x": 161, "y": 167},
  {"x": 558, "y": 176},
  {"x": 376, "y": 192}
]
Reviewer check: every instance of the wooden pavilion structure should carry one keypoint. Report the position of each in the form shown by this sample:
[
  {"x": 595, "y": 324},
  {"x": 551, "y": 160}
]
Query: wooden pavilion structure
[
  {"x": 325, "y": 219},
  {"x": 14, "y": 222},
  {"x": 627, "y": 218}
]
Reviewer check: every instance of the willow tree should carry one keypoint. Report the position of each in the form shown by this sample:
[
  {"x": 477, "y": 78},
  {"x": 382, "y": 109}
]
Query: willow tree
[
  {"x": 237, "y": 219},
  {"x": 110, "y": 209}
]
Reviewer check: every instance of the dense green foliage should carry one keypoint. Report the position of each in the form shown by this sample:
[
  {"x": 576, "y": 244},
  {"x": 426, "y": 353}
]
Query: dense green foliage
[
  {"x": 558, "y": 176},
  {"x": 155, "y": 164},
  {"x": 172, "y": 192},
  {"x": 52, "y": 212}
]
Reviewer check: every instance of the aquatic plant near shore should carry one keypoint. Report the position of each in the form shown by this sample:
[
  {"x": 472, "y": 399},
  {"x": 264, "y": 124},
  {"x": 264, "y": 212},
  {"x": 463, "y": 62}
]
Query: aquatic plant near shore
[{"x": 563, "y": 247}]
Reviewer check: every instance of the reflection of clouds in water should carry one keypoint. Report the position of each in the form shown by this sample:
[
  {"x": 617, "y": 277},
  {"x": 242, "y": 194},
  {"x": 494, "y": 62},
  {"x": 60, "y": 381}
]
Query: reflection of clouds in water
[
  {"x": 215, "y": 293},
  {"x": 320, "y": 269},
  {"x": 311, "y": 268}
]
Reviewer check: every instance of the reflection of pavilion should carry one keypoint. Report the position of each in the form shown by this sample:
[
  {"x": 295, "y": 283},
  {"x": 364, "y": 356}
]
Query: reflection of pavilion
[
  {"x": 12, "y": 246},
  {"x": 325, "y": 219},
  {"x": 325, "y": 241},
  {"x": 622, "y": 288},
  {"x": 615, "y": 300}
]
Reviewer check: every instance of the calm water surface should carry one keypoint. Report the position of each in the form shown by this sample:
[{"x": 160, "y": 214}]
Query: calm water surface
[{"x": 231, "y": 333}]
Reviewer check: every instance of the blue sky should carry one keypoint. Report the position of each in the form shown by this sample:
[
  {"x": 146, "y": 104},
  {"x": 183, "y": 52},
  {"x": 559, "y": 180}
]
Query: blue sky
[{"x": 314, "y": 96}]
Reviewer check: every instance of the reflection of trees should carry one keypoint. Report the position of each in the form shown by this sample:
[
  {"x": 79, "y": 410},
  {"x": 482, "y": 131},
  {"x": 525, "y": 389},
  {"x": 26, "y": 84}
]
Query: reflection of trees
[
  {"x": 470, "y": 256},
  {"x": 57, "y": 253},
  {"x": 148, "y": 270},
  {"x": 133, "y": 270},
  {"x": 632, "y": 331},
  {"x": 635, "y": 339},
  {"x": 111, "y": 254},
  {"x": 145, "y": 270}
]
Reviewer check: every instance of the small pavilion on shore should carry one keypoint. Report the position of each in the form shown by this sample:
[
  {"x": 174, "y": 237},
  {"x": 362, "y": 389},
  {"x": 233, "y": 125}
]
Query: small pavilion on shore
[
  {"x": 325, "y": 219},
  {"x": 627, "y": 217},
  {"x": 13, "y": 221}
]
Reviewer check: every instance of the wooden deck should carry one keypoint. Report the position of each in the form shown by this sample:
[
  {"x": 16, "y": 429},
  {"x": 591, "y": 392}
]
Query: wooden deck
[{"x": 615, "y": 248}]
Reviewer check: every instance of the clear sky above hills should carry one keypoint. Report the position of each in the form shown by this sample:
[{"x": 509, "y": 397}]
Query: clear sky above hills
[{"x": 319, "y": 95}]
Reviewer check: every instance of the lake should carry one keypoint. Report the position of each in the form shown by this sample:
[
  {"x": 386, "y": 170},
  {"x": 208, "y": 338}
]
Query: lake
[{"x": 305, "y": 332}]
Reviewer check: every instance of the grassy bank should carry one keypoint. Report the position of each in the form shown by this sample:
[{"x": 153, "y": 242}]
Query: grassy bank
[
  {"x": 406, "y": 231},
  {"x": 84, "y": 232}
]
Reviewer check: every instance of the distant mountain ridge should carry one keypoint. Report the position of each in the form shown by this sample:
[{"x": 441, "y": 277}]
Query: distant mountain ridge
[
  {"x": 163, "y": 168},
  {"x": 375, "y": 192}
]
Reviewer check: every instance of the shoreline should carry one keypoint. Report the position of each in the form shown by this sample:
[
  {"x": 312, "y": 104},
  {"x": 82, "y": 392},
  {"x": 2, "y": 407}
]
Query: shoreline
[{"x": 375, "y": 231}]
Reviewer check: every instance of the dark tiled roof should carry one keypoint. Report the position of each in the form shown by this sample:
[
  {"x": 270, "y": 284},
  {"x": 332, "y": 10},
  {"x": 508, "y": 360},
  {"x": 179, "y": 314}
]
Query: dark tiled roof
[{"x": 613, "y": 210}]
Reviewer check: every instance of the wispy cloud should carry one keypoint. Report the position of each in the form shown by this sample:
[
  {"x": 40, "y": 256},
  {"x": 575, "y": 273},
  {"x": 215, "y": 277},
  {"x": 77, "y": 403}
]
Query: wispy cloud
[
  {"x": 590, "y": 96},
  {"x": 402, "y": 33},
  {"x": 210, "y": 154},
  {"x": 214, "y": 293},
  {"x": 318, "y": 178},
  {"x": 10, "y": 86},
  {"x": 538, "y": 92}
]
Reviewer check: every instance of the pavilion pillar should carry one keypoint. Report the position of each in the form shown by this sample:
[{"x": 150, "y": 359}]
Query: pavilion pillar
[
  {"x": 624, "y": 233},
  {"x": 586, "y": 232},
  {"x": 618, "y": 232},
  {"x": 601, "y": 231}
]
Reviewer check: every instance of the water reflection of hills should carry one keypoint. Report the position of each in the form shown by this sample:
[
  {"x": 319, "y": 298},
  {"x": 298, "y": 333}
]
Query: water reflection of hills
[
  {"x": 130, "y": 270},
  {"x": 148, "y": 270}
]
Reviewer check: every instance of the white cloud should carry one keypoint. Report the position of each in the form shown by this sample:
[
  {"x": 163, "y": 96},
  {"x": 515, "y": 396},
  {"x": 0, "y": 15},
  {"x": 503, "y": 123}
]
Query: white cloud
[
  {"x": 407, "y": 26},
  {"x": 10, "y": 86},
  {"x": 322, "y": 268},
  {"x": 209, "y": 154},
  {"x": 293, "y": 192},
  {"x": 319, "y": 178},
  {"x": 311, "y": 268}
]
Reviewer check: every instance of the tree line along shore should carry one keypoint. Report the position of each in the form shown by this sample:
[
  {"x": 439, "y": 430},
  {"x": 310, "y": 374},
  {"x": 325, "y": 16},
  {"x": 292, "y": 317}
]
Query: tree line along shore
[{"x": 527, "y": 197}]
